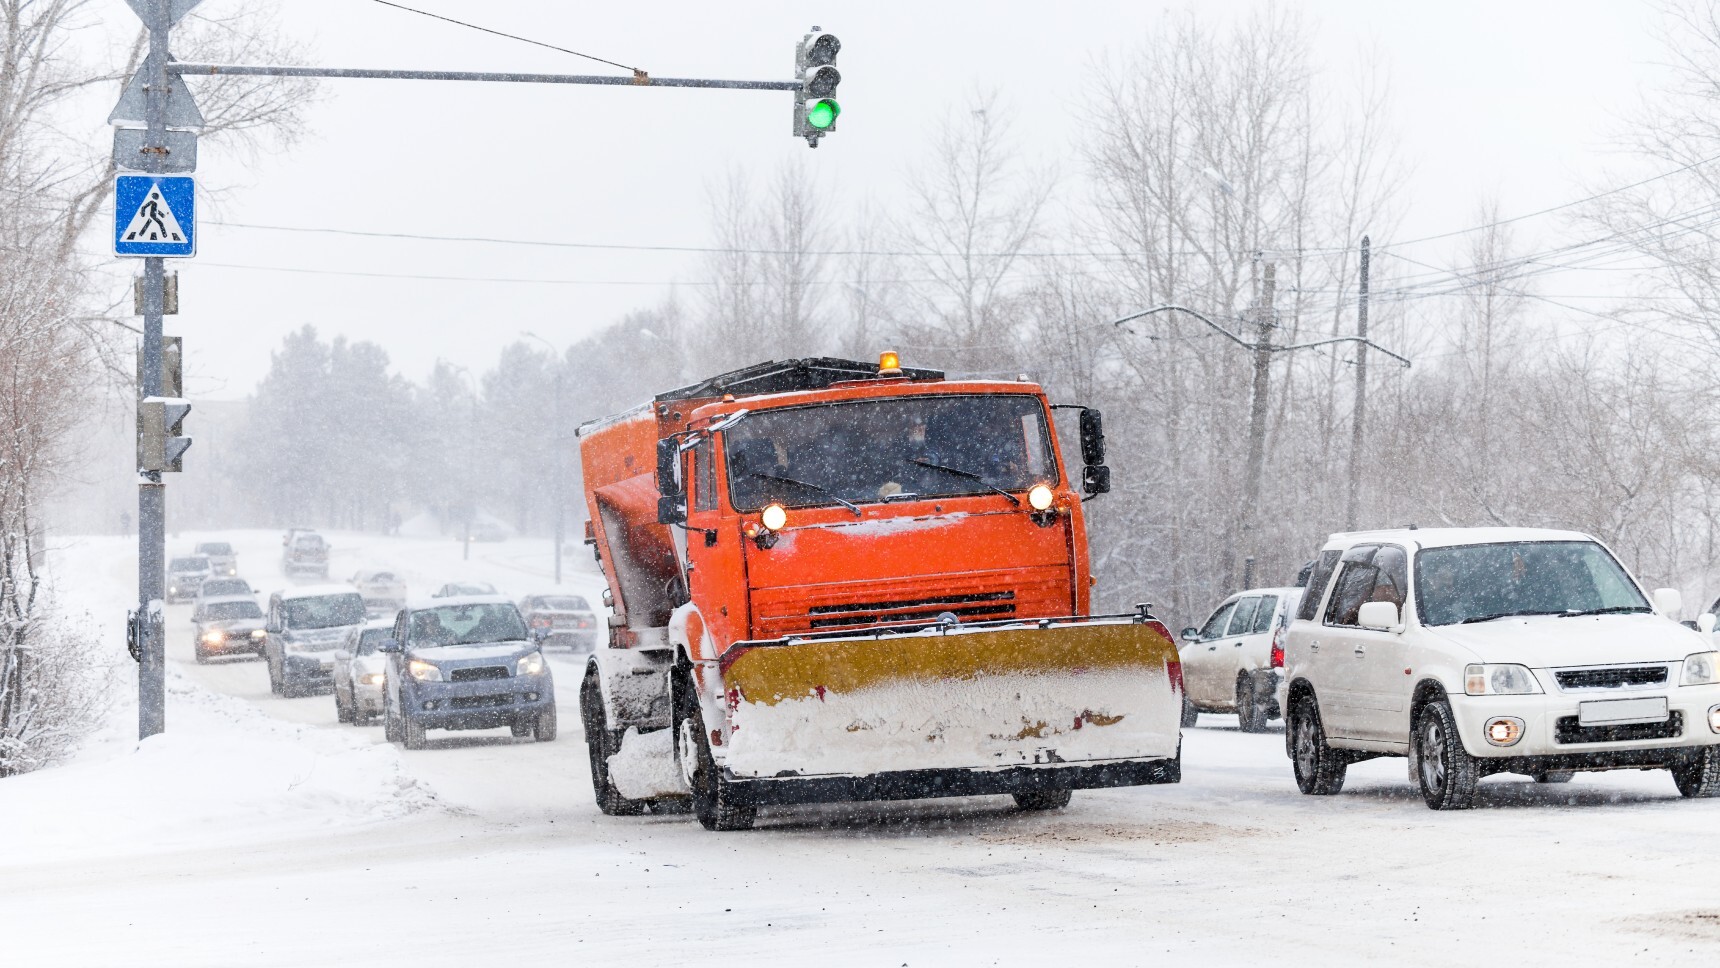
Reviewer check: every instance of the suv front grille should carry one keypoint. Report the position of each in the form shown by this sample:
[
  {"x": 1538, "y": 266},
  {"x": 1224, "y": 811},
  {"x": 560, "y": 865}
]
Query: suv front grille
[
  {"x": 1611, "y": 678},
  {"x": 984, "y": 605},
  {"x": 1568, "y": 730},
  {"x": 478, "y": 702},
  {"x": 480, "y": 672}
]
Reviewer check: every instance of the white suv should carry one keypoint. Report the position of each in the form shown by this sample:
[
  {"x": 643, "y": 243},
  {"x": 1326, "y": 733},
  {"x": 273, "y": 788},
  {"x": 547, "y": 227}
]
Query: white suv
[
  {"x": 1476, "y": 651},
  {"x": 1228, "y": 664}
]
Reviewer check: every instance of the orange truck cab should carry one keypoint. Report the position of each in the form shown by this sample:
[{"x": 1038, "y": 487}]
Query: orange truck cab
[{"x": 832, "y": 580}]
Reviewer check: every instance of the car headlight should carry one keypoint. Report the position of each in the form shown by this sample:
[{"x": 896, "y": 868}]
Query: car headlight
[
  {"x": 1499, "y": 680},
  {"x": 371, "y": 679},
  {"x": 214, "y": 638},
  {"x": 259, "y": 634},
  {"x": 1701, "y": 669},
  {"x": 424, "y": 671},
  {"x": 530, "y": 665}
]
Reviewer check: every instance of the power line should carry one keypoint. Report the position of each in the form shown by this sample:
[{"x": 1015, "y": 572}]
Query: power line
[
  {"x": 637, "y": 72},
  {"x": 427, "y": 277}
]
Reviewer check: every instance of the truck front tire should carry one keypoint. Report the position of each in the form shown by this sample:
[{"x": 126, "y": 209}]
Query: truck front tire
[
  {"x": 1446, "y": 773},
  {"x": 713, "y": 798}
]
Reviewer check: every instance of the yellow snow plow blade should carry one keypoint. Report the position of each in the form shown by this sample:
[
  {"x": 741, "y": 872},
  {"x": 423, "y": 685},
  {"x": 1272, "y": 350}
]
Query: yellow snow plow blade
[{"x": 1052, "y": 693}]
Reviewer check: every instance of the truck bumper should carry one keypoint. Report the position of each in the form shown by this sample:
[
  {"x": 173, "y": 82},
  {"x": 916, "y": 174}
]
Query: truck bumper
[{"x": 922, "y": 784}]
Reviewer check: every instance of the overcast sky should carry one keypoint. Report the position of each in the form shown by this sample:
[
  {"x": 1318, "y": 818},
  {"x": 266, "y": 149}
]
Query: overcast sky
[{"x": 1518, "y": 100}]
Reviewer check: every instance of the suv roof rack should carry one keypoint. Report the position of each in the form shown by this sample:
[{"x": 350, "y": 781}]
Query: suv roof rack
[{"x": 786, "y": 376}]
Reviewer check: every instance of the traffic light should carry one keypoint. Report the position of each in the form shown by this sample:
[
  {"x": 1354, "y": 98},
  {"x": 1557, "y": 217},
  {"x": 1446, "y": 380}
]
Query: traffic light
[
  {"x": 161, "y": 445},
  {"x": 815, "y": 106}
]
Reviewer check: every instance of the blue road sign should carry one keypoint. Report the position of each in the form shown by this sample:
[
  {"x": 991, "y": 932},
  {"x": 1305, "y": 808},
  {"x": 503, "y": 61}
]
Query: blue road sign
[{"x": 155, "y": 215}]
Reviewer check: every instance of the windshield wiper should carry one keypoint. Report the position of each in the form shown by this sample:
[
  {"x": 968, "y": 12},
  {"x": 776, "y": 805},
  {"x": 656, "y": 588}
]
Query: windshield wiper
[
  {"x": 1489, "y": 618},
  {"x": 1608, "y": 610},
  {"x": 970, "y": 475},
  {"x": 850, "y": 505}
]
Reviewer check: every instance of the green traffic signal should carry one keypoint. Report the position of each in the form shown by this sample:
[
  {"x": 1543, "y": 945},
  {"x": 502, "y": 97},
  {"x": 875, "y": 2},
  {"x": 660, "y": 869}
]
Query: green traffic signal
[{"x": 822, "y": 114}]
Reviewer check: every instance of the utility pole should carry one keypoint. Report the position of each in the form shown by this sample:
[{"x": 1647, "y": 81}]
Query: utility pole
[
  {"x": 1352, "y": 504},
  {"x": 151, "y": 491},
  {"x": 1265, "y": 319}
]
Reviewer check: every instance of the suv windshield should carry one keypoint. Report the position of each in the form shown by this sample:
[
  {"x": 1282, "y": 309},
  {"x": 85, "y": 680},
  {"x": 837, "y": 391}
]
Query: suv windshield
[
  {"x": 230, "y": 611},
  {"x": 189, "y": 564},
  {"x": 226, "y": 586},
  {"x": 369, "y": 639},
  {"x": 467, "y": 625},
  {"x": 324, "y": 611},
  {"x": 561, "y": 603},
  {"x": 895, "y": 449},
  {"x": 1470, "y": 583}
]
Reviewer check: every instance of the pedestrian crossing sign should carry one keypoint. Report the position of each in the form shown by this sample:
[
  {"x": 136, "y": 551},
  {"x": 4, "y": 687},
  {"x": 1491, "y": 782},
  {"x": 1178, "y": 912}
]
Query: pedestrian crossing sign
[{"x": 155, "y": 215}]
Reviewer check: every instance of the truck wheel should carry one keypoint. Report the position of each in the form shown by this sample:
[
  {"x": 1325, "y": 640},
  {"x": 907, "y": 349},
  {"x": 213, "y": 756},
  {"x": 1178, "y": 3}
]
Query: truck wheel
[
  {"x": 1319, "y": 768},
  {"x": 412, "y": 733},
  {"x": 1555, "y": 776},
  {"x": 1445, "y": 771},
  {"x": 713, "y": 797},
  {"x": 1043, "y": 799},
  {"x": 1189, "y": 713},
  {"x": 600, "y": 743},
  {"x": 1700, "y": 777},
  {"x": 1250, "y": 712},
  {"x": 544, "y": 728}
]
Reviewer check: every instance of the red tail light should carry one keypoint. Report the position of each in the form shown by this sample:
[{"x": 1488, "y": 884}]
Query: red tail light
[
  {"x": 1278, "y": 648},
  {"x": 541, "y": 623}
]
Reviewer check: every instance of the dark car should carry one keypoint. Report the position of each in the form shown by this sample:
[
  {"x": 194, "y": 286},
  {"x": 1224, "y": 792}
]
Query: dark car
[
  {"x": 227, "y": 625},
  {"x": 465, "y": 663},
  {"x": 305, "y": 626},
  {"x": 224, "y": 588},
  {"x": 562, "y": 620},
  {"x": 185, "y": 577}
]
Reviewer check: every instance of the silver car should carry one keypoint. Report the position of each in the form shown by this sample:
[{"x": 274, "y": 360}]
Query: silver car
[
  {"x": 222, "y": 560},
  {"x": 359, "y": 670},
  {"x": 185, "y": 577}
]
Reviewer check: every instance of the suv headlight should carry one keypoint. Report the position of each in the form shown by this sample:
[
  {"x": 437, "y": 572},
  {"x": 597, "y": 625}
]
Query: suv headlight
[
  {"x": 530, "y": 665},
  {"x": 1701, "y": 669},
  {"x": 424, "y": 671},
  {"x": 1499, "y": 680}
]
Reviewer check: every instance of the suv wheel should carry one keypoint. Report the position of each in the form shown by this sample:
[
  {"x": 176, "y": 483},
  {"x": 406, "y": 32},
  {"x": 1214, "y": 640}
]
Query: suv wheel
[
  {"x": 1250, "y": 711},
  {"x": 601, "y": 743},
  {"x": 714, "y": 800},
  {"x": 1446, "y": 772},
  {"x": 275, "y": 684},
  {"x": 391, "y": 722},
  {"x": 1189, "y": 713},
  {"x": 1700, "y": 777},
  {"x": 412, "y": 733},
  {"x": 544, "y": 728},
  {"x": 1319, "y": 768},
  {"x": 1043, "y": 799},
  {"x": 1554, "y": 776}
]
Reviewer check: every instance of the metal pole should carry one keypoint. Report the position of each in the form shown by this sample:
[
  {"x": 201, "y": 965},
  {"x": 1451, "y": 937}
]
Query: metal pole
[
  {"x": 607, "y": 80},
  {"x": 1263, "y": 323},
  {"x": 1353, "y": 503},
  {"x": 560, "y": 478},
  {"x": 151, "y": 492}
]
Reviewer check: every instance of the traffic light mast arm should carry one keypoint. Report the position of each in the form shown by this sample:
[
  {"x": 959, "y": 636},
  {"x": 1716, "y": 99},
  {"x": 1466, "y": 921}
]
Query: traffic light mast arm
[{"x": 607, "y": 80}]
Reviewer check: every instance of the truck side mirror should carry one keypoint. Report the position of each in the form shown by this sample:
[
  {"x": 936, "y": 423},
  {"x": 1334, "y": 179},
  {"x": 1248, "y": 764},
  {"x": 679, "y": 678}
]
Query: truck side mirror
[
  {"x": 1092, "y": 437},
  {"x": 1096, "y": 479},
  {"x": 672, "y": 505}
]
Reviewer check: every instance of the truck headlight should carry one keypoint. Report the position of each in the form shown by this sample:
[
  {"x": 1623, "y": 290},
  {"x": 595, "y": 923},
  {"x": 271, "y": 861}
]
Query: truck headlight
[
  {"x": 424, "y": 671},
  {"x": 1499, "y": 680},
  {"x": 530, "y": 665},
  {"x": 773, "y": 517},
  {"x": 1039, "y": 497},
  {"x": 1701, "y": 669}
]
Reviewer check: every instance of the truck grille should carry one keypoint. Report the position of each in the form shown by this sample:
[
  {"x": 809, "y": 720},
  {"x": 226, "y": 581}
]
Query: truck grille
[
  {"x": 1568, "y": 730},
  {"x": 480, "y": 672},
  {"x": 1611, "y": 678},
  {"x": 984, "y": 605}
]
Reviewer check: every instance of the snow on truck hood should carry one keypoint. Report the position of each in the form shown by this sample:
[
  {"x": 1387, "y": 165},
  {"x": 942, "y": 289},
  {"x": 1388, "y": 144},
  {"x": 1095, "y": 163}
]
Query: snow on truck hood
[
  {"x": 478, "y": 650},
  {"x": 1545, "y": 641}
]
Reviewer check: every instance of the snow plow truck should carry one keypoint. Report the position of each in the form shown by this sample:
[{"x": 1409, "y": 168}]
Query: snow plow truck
[{"x": 838, "y": 581}]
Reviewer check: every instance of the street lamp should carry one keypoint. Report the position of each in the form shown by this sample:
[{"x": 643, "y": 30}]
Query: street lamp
[{"x": 560, "y": 482}]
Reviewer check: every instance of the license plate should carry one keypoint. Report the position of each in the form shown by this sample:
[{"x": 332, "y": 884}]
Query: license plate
[{"x": 1619, "y": 712}]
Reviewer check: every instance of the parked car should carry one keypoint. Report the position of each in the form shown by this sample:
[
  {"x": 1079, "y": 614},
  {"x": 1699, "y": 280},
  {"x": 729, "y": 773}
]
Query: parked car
[
  {"x": 489, "y": 531},
  {"x": 305, "y": 626},
  {"x": 465, "y": 662},
  {"x": 222, "y": 560},
  {"x": 454, "y": 588},
  {"x": 224, "y": 587},
  {"x": 383, "y": 592},
  {"x": 1227, "y": 663},
  {"x": 185, "y": 577},
  {"x": 227, "y": 625},
  {"x": 561, "y": 619},
  {"x": 359, "y": 670},
  {"x": 1476, "y": 651},
  {"x": 306, "y": 553}
]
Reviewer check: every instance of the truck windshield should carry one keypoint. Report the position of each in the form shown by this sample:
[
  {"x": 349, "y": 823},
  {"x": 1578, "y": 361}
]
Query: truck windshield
[
  {"x": 900, "y": 448},
  {"x": 323, "y": 611},
  {"x": 1476, "y": 583}
]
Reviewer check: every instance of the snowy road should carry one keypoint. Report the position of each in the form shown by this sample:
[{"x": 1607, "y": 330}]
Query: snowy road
[{"x": 261, "y": 832}]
